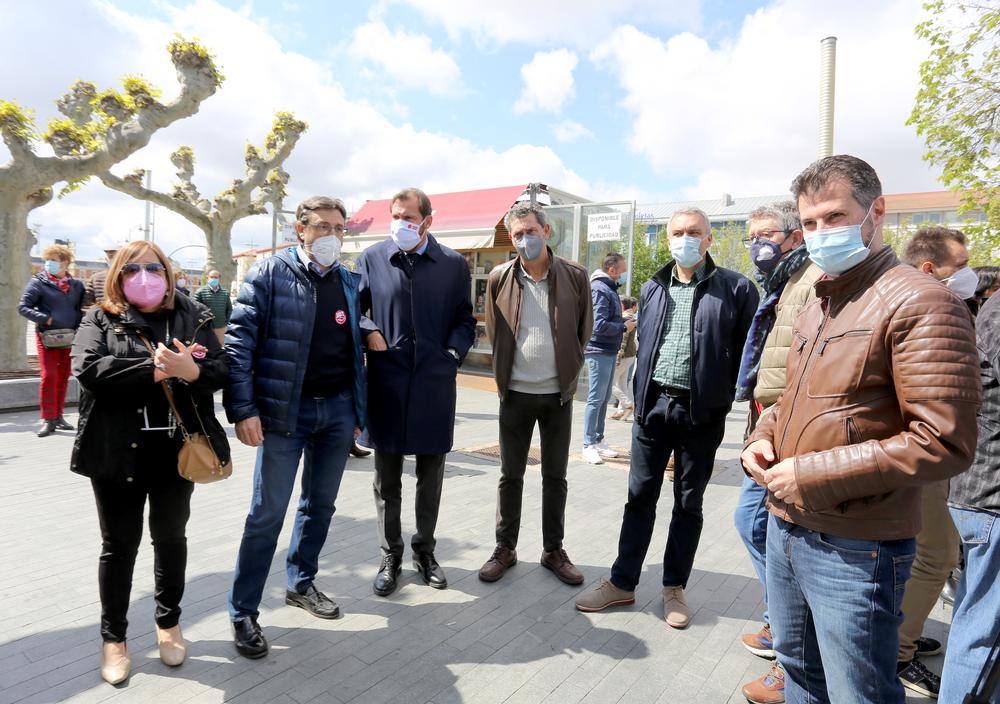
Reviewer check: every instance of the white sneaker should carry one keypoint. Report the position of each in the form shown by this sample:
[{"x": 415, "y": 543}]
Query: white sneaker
[
  {"x": 602, "y": 447},
  {"x": 592, "y": 455}
]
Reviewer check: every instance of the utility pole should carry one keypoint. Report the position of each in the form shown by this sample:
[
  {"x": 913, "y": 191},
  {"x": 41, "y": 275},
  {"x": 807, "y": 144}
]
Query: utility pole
[
  {"x": 149, "y": 186},
  {"x": 827, "y": 83}
]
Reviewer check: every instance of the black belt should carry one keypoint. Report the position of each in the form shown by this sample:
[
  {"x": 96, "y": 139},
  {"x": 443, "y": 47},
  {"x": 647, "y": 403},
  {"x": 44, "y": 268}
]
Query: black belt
[{"x": 676, "y": 392}]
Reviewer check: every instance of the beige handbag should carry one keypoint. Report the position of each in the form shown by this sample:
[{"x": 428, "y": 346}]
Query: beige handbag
[{"x": 197, "y": 461}]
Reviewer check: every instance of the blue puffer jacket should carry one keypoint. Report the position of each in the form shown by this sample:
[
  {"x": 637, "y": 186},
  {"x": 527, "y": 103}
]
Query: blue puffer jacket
[
  {"x": 609, "y": 325},
  {"x": 43, "y": 299},
  {"x": 268, "y": 338}
]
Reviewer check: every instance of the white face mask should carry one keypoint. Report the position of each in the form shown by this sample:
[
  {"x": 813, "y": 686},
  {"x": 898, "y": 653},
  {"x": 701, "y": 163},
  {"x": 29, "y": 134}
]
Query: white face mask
[
  {"x": 326, "y": 250},
  {"x": 182, "y": 283},
  {"x": 963, "y": 282},
  {"x": 405, "y": 234}
]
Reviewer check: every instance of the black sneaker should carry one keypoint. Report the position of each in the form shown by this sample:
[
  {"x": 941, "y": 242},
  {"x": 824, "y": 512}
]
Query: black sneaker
[
  {"x": 916, "y": 677},
  {"x": 927, "y": 647},
  {"x": 314, "y": 601}
]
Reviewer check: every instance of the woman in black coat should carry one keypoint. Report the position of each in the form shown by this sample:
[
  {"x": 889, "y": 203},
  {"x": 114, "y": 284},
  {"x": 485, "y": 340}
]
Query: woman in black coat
[
  {"x": 128, "y": 443},
  {"x": 53, "y": 300}
]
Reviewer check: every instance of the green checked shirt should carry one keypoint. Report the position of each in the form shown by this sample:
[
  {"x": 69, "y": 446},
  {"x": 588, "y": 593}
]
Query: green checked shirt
[{"x": 673, "y": 359}]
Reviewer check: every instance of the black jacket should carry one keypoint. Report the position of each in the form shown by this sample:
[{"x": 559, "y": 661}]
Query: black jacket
[
  {"x": 724, "y": 304},
  {"x": 43, "y": 299},
  {"x": 115, "y": 371}
]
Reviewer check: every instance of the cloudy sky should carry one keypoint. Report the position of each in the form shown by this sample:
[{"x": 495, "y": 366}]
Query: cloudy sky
[{"x": 633, "y": 99}]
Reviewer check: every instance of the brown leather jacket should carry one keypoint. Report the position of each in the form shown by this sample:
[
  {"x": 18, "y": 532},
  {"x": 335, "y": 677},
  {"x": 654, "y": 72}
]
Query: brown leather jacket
[
  {"x": 570, "y": 315},
  {"x": 881, "y": 398}
]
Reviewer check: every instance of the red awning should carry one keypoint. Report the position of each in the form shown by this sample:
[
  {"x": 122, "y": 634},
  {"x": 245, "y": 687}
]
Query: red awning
[{"x": 464, "y": 210}]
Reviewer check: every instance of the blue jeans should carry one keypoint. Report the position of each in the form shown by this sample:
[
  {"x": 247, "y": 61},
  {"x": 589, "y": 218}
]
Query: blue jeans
[
  {"x": 600, "y": 376},
  {"x": 835, "y": 611},
  {"x": 323, "y": 432},
  {"x": 666, "y": 428},
  {"x": 976, "y": 619},
  {"x": 751, "y": 523}
]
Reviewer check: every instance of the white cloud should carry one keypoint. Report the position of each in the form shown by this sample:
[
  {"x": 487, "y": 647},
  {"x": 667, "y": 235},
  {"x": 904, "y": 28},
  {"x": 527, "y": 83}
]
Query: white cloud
[
  {"x": 579, "y": 23},
  {"x": 548, "y": 81},
  {"x": 409, "y": 59},
  {"x": 742, "y": 117},
  {"x": 570, "y": 131},
  {"x": 351, "y": 150}
]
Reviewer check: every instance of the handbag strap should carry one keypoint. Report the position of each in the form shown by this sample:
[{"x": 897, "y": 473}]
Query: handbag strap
[{"x": 167, "y": 391}]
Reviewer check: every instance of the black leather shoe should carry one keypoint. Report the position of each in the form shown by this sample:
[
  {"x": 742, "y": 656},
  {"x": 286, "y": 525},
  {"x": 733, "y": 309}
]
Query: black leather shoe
[
  {"x": 48, "y": 427},
  {"x": 248, "y": 638},
  {"x": 385, "y": 580},
  {"x": 62, "y": 424},
  {"x": 358, "y": 451},
  {"x": 429, "y": 569},
  {"x": 314, "y": 601}
]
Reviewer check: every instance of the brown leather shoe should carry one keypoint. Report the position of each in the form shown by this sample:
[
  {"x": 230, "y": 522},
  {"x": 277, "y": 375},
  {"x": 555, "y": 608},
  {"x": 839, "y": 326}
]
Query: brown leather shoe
[
  {"x": 502, "y": 559},
  {"x": 358, "y": 451},
  {"x": 768, "y": 689},
  {"x": 558, "y": 561}
]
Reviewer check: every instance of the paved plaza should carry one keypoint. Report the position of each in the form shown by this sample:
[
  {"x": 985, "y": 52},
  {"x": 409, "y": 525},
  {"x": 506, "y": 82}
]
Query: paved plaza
[{"x": 517, "y": 641}]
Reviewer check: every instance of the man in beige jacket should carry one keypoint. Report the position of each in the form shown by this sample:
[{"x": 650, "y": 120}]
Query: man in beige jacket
[{"x": 786, "y": 274}]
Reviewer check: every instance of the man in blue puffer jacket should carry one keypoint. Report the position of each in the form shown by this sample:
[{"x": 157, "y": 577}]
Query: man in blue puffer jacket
[
  {"x": 601, "y": 353},
  {"x": 297, "y": 384}
]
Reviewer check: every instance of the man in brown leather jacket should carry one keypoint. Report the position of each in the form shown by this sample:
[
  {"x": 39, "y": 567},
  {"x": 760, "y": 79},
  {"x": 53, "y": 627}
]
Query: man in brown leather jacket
[
  {"x": 538, "y": 318},
  {"x": 881, "y": 398}
]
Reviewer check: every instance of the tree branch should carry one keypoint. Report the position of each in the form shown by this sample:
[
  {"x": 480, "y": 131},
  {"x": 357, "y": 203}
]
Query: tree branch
[{"x": 131, "y": 185}]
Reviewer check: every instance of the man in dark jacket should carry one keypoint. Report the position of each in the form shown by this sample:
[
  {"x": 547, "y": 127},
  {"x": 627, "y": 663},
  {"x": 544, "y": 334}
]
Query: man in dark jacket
[
  {"x": 975, "y": 506},
  {"x": 415, "y": 293},
  {"x": 601, "y": 353},
  {"x": 297, "y": 385},
  {"x": 694, "y": 318},
  {"x": 214, "y": 295},
  {"x": 880, "y": 401},
  {"x": 538, "y": 318},
  {"x": 93, "y": 292}
]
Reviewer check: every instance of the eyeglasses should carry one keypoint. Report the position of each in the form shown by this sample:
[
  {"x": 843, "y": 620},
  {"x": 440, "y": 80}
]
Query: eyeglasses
[
  {"x": 152, "y": 268},
  {"x": 763, "y": 234},
  {"x": 325, "y": 228}
]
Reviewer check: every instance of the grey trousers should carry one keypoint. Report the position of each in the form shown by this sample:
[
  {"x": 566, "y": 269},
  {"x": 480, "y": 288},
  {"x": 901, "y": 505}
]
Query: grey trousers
[{"x": 388, "y": 490}]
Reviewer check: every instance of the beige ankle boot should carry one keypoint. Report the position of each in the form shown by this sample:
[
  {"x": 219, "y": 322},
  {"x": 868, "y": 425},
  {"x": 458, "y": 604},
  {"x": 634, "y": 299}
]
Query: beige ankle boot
[
  {"x": 115, "y": 662},
  {"x": 172, "y": 646}
]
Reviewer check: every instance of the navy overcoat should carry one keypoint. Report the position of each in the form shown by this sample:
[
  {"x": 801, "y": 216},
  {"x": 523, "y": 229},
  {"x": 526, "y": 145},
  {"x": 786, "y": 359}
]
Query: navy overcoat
[{"x": 422, "y": 309}]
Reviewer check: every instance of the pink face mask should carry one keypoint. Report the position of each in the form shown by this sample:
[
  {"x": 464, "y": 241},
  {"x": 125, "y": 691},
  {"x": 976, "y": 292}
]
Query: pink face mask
[{"x": 144, "y": 290}]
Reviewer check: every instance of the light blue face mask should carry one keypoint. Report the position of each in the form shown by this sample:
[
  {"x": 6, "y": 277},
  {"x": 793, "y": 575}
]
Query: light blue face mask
[
  {"x": 52, "y": 266},
  {"x": 686, "y": 250},
  {"x": 837, "y": 249}
]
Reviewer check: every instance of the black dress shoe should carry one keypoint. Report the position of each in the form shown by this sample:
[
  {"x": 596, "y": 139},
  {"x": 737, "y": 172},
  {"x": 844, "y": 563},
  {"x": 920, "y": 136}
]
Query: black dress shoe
[
  {"x": 62, "y": 424},
  {"x": 358, "y": 451},
  {"x": 385, "y": 580},
  {"x": 429, "y": 569},
  {"x": 314, "y": 601},
  {"x": 48, "y": 427},
  {"x": 248, "y": 638}
]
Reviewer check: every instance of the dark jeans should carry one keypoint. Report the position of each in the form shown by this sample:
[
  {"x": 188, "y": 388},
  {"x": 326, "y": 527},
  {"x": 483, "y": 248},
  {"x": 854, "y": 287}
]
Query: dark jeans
[
  {"x": 834, "y": 605},
  {"x": 120, "y": 506},
  {"x": 388, "y": 488},
  {"x": 324, "y": 432},
  {"x": 666, "y": 429},
  {"x": 518, "y": 414}
]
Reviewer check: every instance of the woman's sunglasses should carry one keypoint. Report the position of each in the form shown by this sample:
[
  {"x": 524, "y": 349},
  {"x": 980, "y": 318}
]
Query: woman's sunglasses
[{"x": 136, "y": 268}]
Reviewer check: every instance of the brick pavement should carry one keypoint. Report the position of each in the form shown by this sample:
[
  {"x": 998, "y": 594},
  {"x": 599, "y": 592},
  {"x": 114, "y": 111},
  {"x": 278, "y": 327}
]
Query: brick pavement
[{"x": 519, "y": 640}]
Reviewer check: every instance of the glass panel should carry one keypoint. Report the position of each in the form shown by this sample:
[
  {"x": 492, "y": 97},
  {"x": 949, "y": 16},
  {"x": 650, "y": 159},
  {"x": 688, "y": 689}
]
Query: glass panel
[
  {"x": 591, "y": 254},
  {"x": 917, "y": 218},
  {"x": 934, "y": 217},
  {"x": 561, "y": 240}
]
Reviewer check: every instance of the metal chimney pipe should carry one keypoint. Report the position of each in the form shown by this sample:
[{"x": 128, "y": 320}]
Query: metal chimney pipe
[{"x": 827, "y": 83}]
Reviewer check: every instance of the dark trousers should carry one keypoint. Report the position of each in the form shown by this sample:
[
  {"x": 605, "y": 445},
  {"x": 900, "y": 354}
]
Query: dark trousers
[
  {"x": 666, "y": 428},
  {"x": 518, "y": 414},
  {"x": 120, "y": 507},
  {"x": 388, "y": 488}
]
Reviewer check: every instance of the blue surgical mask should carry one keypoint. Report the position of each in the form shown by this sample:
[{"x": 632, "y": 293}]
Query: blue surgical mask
[
  {"x": 214, "y": 283},
  {"x": 52, "y": 266},
  {"x": 686, "y": 250},
  {"x": 837, "y": 249}
]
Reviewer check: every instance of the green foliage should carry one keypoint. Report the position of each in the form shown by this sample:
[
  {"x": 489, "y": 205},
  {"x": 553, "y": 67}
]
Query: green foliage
[
  {"x": 140, "y": 91},
  {"x": 284, "y": 124},
  {"x": 727, "y": 251},
  {"x": 252, "y": 155},
  {"x": 67, "y": 137},
  {"x": 16, "y": 122},
  {"x": 112, "y": 107},
  {"x": 957, "y": 110},
  {"x": 192, "y": 54},
  {"x": 72, "y": 186}
]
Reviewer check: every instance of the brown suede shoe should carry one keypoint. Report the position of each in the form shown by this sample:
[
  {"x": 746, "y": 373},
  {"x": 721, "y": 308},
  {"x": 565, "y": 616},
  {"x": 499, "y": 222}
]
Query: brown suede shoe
[
  {"x": 604, "y": 595},
  {"x": 676, "y": 612},
  {"x": 769, "y": 689},
  {"x": 502, "y": 559},
  {"x": 558, "y": 561}
]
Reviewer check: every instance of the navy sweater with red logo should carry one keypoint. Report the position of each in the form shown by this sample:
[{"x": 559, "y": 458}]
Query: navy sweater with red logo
[{"x": 330, "y": 369}]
